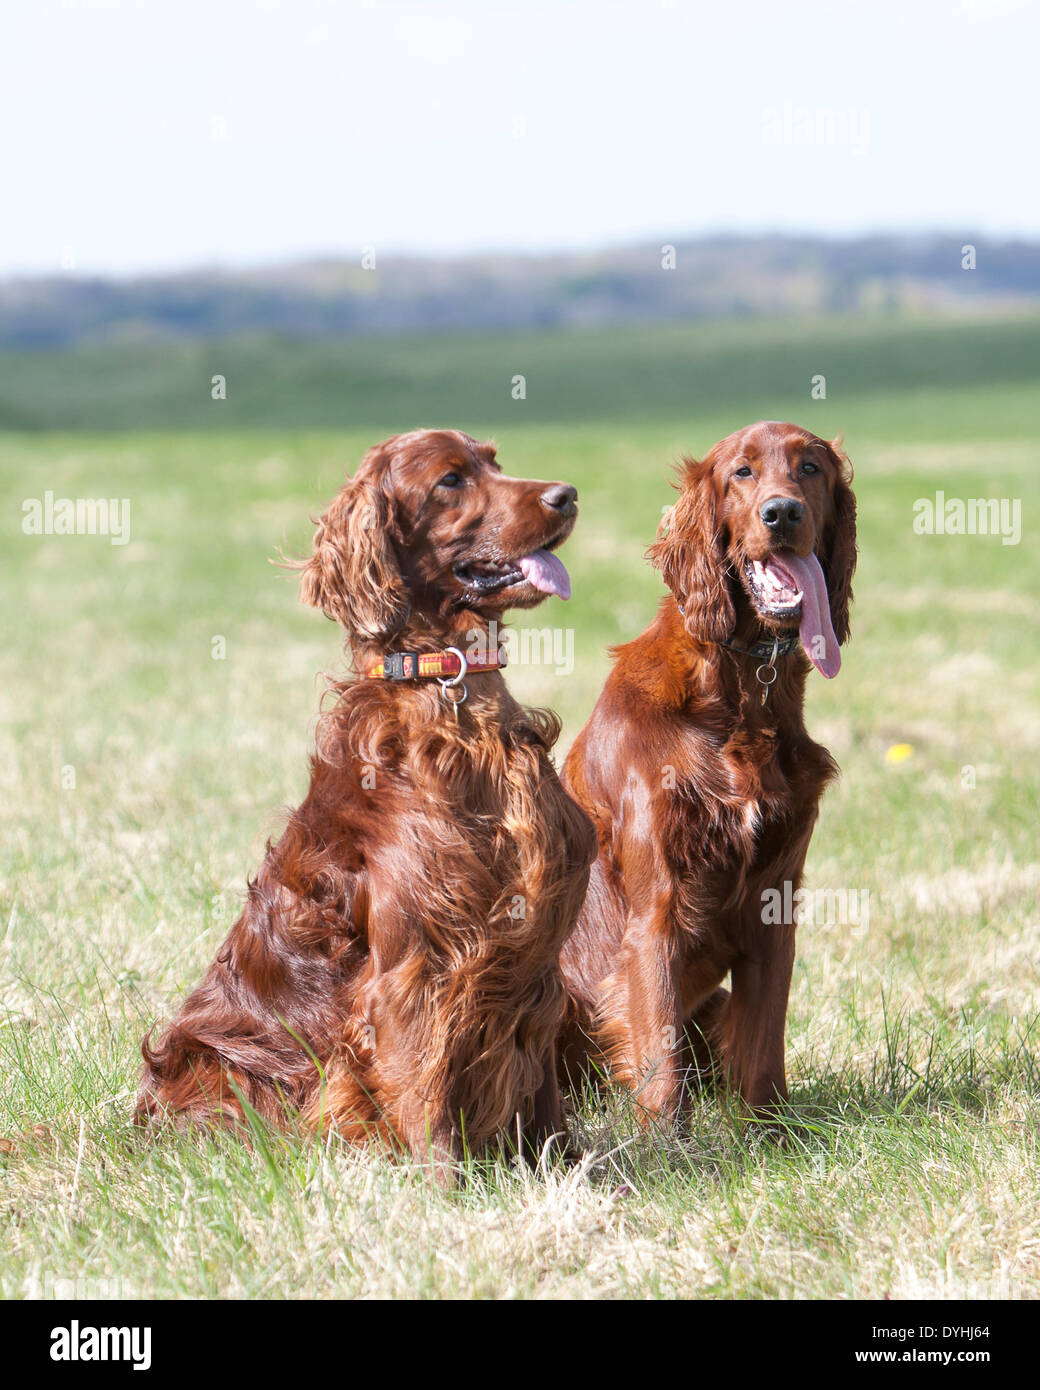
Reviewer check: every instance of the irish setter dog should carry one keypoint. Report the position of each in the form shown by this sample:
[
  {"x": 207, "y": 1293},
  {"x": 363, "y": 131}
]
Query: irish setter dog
[
  {"x": 701, "y": 779},
  {"x": 396, "y": 970}
]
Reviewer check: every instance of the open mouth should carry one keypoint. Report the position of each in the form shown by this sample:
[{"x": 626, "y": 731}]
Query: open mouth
[
  {"x": 541, "y": 569},
  {"x": 789, "y": 588},
  {"x": 775, "y": 589}
]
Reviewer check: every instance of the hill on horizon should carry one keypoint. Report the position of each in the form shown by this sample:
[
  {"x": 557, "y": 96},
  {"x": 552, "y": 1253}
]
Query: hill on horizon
[{"x": 708, "y": 278}]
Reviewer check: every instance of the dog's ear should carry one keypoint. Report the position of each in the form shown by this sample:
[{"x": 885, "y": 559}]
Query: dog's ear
[
  {"x": 353, "y": 575},
  {"x": 840, "y": 561},
  {"x": 691, "y": 556}
]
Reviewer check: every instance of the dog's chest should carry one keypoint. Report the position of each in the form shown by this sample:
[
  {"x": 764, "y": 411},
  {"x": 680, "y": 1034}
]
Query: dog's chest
[
  {"x": 736, "y": 839},
  {"x": 496, "y": 837},
  {"x": 729, "y": 838}
]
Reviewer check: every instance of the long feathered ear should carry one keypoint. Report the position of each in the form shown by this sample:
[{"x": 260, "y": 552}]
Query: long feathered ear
[
  {"x": 840, "y": 561},
  {"x": 692, "y": 557},
  {"x": 353, "y": 575}
]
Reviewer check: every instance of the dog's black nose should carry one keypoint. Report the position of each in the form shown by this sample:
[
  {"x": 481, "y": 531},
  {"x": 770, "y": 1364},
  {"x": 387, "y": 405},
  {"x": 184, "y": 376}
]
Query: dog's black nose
[
  {"x": 561, "y": 497},
  {"x": 781, "y": 512}
]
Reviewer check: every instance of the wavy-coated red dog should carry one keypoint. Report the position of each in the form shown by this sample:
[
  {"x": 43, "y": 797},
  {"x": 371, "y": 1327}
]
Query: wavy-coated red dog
[
  {"x": 396, "y": 969},
  {"x": 702, "y": 781}
]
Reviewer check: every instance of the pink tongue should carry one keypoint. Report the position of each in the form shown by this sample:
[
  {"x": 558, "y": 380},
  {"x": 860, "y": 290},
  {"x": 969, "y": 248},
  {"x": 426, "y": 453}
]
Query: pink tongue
[
  {"x": 547, "y": 573},
  {"x": 815, "y": 630}
]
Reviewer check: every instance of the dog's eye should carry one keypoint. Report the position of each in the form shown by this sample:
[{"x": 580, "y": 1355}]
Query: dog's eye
[
  {"x": 450, "y": 480},
  {"x": 809, "y": 468},
  {"x": 744, "y": 472}
]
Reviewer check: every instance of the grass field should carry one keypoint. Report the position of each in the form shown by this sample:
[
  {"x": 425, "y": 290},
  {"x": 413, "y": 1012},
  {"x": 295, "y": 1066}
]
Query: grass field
[{"x": 141, "y": 778}]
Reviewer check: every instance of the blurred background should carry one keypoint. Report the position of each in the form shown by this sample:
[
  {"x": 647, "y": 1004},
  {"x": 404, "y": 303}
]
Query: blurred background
[
  {"x": 300, "y": 197},
  {"x": 242, "y": 242}
]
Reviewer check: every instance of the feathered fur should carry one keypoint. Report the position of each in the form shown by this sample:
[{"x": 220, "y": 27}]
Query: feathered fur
[
  {"x": 703, "y": 797},
  {"x": 395, "y": 972}
]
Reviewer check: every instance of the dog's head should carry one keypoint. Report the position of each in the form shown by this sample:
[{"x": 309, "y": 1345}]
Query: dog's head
[
  {"x": 430, "y": 526},
  {"x": 766, "y": 523}
]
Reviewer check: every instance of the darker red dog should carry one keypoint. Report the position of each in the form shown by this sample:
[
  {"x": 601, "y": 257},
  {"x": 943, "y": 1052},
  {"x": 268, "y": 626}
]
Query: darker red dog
[
  {"x": 701, "y": 779},
  {"x": 396, "y": 969}
]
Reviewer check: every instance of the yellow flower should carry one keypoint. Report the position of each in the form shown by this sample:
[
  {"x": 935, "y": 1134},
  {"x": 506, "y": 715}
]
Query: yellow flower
[{"x": 899, "y": 752}]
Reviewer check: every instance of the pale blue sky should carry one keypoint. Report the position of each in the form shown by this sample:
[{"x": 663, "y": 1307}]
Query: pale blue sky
[{"x": 153, "y": 135}]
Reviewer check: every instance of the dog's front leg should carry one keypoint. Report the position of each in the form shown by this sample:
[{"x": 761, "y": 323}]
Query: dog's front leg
[
  {"x": 547, "y": 1122},
  {"x": 654, "y": 1012},
  {"x": 755, "y": 1021}
]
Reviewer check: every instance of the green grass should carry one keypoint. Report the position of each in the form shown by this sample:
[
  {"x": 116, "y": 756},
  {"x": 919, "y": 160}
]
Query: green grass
[
  {"x": 695, "y": 372},
  {"x": 913, "y": 1047}
]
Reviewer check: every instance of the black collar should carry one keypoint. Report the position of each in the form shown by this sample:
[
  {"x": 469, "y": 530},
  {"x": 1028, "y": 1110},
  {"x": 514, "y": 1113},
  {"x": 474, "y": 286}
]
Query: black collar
[{"x": 762, "y": 650}]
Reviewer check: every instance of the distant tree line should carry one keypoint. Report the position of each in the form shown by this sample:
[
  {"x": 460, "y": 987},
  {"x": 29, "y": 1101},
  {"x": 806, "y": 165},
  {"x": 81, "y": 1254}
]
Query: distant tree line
[{"x": 718, "y": 277}]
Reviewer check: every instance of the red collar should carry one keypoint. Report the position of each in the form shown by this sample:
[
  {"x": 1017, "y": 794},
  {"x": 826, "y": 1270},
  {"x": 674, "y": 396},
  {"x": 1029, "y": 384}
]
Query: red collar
[{"x": 411, "y": 666}]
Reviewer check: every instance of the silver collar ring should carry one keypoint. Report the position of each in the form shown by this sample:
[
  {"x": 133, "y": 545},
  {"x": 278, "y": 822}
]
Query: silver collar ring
[
  {"x": 766, "y": 673},
  {"x": 453, "y": 683}
]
